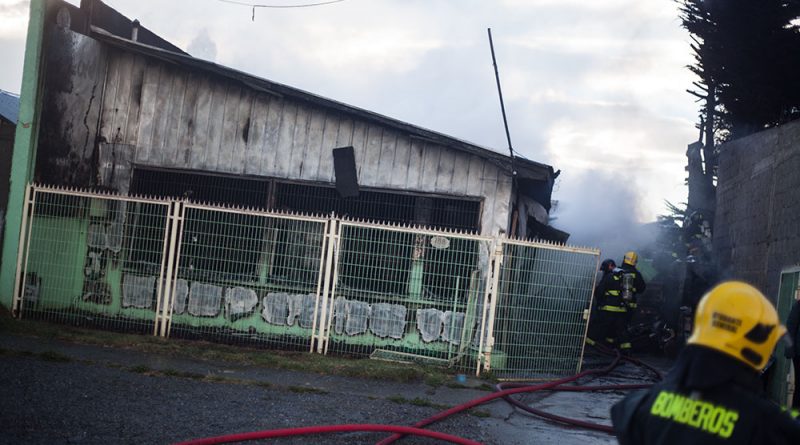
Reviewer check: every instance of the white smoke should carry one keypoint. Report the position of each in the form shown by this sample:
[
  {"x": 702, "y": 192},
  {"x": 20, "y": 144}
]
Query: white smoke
[
  {"x": 202, "y": 46},
  {"x": 601, "y": 210}
]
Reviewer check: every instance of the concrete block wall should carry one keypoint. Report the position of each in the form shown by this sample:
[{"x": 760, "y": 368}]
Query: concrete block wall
[{"x": 757, "y": 225}]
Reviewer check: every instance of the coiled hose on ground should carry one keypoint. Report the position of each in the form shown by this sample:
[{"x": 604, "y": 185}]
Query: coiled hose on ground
[{"x": 504, "y": 390}]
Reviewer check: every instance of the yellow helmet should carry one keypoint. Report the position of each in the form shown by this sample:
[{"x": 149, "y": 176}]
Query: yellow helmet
[
  {"x": 630, "y": 258},
  {"x": 738, "y": 320}
]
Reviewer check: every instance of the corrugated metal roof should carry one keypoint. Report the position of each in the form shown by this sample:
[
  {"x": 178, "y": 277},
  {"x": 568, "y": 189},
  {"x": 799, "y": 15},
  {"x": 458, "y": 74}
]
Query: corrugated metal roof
[{"x": 9, "y": 106}]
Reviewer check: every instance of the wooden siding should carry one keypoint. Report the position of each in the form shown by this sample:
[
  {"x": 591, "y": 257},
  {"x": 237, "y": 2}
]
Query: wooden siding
[{"x": 184, "y": 119}]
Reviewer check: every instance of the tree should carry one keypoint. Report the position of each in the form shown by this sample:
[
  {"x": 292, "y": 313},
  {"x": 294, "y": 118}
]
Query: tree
[
  {"x": 747, "y": 64},
  {"x": 746, "y": 58}
]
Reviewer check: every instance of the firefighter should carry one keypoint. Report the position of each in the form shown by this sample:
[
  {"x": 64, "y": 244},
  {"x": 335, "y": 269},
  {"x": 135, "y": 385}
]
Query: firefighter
[
  {"x": 608, "y": 319},
  {"x": 713, "y": 394},
  {"x": 633, "y": 285}
]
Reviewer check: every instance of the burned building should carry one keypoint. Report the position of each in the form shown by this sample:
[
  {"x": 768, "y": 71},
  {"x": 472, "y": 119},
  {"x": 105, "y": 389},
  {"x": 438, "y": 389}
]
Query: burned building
[
  {"x": 123, "y": 110},
  {"x": 169, "y": 195}
]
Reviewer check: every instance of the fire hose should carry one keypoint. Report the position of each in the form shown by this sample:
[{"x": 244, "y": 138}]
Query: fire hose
[{"x": 504, "y": 391}]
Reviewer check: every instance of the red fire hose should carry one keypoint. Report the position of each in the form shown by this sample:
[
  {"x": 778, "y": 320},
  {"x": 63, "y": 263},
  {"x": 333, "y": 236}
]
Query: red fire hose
[
  {"x": 504, "y": 390},
  {"x": 269, "y": 434},
  {"x": 504, "y": 393}
]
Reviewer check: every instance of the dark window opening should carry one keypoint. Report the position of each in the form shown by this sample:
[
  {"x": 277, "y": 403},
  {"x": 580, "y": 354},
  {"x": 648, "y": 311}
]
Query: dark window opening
[
  {"x": 224, "y": 243},
  {"x": 241, "y": 247},
  {"x": 436, "y": 212},
  {"x": 201, "y": 187}
]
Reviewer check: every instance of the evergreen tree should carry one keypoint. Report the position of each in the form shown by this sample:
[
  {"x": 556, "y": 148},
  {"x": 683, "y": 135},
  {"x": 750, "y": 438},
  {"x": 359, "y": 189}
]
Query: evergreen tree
[{"x": 747, "y": 58}]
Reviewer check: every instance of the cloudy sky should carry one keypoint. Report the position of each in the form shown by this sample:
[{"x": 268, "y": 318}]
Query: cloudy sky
[{"x": 594, "y": 88}]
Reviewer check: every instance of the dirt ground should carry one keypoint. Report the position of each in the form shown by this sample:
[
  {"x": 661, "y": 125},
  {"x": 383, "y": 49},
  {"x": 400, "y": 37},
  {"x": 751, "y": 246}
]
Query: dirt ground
[{"x": 63, "y": 392}]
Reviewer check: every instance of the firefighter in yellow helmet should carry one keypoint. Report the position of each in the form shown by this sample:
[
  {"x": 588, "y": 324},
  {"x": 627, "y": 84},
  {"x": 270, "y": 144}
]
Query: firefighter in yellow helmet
[
  {"x": 713, "y": 394},
  {"x": 633, "y": 285}
]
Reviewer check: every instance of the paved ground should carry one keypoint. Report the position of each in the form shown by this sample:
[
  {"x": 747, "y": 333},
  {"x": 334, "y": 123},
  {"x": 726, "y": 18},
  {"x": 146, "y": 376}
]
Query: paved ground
[{"x": 53, "y": 392}]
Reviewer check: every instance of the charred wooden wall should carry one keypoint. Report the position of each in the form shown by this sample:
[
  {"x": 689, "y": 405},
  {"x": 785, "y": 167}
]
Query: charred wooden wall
[{"x": 154, "y": 113}]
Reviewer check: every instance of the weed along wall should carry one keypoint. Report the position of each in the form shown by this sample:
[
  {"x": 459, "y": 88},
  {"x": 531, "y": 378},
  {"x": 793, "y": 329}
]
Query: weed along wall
[{"x": 235, "y": 275}]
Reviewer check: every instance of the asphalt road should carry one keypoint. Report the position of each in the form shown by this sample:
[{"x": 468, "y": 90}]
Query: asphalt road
[{"x": 54, "y": 393}]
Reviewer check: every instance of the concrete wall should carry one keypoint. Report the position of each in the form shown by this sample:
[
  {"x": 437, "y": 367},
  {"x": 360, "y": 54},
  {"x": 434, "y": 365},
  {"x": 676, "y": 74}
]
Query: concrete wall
[
  {"x": 757, "y": 226},
  {"x": 175, "y": 117}
]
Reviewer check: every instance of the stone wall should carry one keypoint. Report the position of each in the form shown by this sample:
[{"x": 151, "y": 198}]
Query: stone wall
[{"x": 757, "y": 226}]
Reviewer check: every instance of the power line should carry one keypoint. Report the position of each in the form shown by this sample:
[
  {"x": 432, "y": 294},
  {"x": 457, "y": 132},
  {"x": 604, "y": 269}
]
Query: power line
[
  {"x": 307, "y": 5},
  {"x": 254, "y": 5}
]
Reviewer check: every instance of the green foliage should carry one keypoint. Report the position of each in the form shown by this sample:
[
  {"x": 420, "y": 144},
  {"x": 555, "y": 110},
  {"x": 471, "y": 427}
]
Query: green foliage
[{"x": 746, "y": 55}]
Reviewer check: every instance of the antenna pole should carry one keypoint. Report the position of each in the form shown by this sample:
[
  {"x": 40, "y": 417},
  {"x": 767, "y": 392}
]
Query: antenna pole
[{"x": 500, "y": 93}]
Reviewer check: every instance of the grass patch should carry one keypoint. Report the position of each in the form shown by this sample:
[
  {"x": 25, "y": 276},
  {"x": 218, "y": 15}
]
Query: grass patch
[
  {"x": 416, "y": 401},
  {"x": 140, "y": 369},
  {"x": 53, "y": 356},
  {"x": 182, "y": 374},
  {"x": 307, "y": 390},
  {"x": 214, "y": 352},
  {"x": 479, "y": 413}
]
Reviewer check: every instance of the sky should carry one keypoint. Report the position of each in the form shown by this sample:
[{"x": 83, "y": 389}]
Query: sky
[{"x": 594, "y": 88}]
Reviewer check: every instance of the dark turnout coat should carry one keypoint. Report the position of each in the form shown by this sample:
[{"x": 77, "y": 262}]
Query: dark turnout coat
[{"x": 707, "y": 398}]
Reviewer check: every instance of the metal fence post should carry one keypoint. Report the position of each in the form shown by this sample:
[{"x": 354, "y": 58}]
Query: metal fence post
[
  {"x": 321, "y": 305},
  {"x": 169, "y": 262},
  {"x": 176, "y": 252},
  {"x": 335, "y": 243},
  {"x": 588, "y": 315},
  {"x": 489, "y": 308},
  {"x": 22, "y": 253}
]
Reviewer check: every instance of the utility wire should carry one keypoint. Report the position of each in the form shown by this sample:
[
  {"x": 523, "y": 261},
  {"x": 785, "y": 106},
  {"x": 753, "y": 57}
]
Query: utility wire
[
  {"x": 307, "y": 5},
  {"x": 254, "y": 5}
]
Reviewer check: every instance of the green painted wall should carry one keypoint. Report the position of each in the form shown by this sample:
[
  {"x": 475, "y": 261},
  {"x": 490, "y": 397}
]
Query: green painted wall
[
  {"x": 777, "y": 385},
  {"x": 24, "y": 148}
]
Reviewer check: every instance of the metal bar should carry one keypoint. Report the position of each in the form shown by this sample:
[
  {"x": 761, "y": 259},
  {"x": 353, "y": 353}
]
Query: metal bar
[
  {"x": 323, "y": 277},
  {"x": 99, "y": 194},
  {"x": 245, "y": 211},
  {"x": 550, "y": 246},
  {"x": 588, "y": 314},
  {"x": 169, "y": 274},
  {"x": 418, "y": 230},
  {"x": 334, "y": 279},
  {"x": 28, "y": 207},
  {"x": 492, "y": 308},
  {"x": 176, "y": 252},
  {"x": 500, "y": 94},
  {"x": 163, "y": 274}
]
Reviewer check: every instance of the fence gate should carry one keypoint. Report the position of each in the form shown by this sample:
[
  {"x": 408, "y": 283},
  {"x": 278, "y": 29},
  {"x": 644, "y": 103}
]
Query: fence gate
[
  {"x": 247, "y": 276},
  {"x": 93, "y": 260},
  {"x": 541, "y": 293},
  {"x": 407, "y": 294}
]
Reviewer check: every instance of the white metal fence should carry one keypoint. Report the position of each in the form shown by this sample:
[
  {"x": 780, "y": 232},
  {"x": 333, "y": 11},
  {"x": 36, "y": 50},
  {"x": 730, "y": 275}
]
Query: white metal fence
[{"x": 235, "y": 275}]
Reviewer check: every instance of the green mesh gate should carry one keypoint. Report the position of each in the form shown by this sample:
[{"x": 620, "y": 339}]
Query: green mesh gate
[
  {"x": 542, "y": 293},
  {"x": 92, "y": 260},
  {"x": 247, "y": 276},
  {"x": 408, "y": 294}
]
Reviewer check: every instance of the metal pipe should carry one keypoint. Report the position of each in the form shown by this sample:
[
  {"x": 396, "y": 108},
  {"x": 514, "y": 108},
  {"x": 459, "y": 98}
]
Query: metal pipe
[{"x": 500, "y": 93}]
